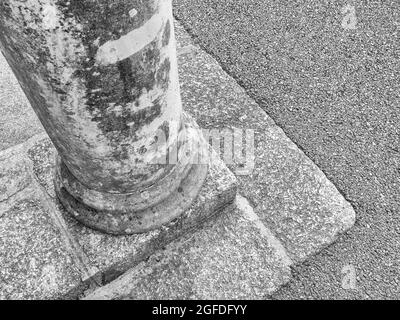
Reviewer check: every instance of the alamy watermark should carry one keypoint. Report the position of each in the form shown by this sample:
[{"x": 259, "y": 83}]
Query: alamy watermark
[
  {"x": 236, "y": 147},
  {"x": 349, "y": 21},
  {"x": 349, "y": 277}
]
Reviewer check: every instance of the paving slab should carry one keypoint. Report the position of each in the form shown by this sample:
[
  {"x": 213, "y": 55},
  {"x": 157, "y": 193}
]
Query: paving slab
[
  {"x": 18, "y": 121},
  {"x": 35, "y": 260},
  {"x": 292, "y": 196},
  {"x": 232, "y": 257}
]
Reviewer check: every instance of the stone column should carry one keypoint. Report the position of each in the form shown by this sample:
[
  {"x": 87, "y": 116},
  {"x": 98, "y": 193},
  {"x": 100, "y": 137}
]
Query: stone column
[{"x": 102, "y": 77}]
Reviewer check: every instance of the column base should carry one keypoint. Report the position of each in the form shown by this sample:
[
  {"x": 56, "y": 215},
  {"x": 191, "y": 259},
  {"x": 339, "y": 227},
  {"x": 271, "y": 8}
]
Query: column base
[{"x": 142, "y": 211}]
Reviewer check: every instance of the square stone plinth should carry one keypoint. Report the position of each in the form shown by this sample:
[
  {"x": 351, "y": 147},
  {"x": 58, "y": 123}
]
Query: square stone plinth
[{"x": 47, "y": 254}]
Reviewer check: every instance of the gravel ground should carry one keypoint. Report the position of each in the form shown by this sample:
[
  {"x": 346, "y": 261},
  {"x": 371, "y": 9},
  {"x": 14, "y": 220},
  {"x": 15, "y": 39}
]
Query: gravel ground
[{"x": 333, "y": 86}]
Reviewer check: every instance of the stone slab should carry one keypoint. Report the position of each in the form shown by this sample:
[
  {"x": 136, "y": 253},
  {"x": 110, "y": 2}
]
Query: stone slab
[
  {"x": 232, "y": 257},
  {"x": 35, "y": 261},
  {"x": 289, "y": 192}
]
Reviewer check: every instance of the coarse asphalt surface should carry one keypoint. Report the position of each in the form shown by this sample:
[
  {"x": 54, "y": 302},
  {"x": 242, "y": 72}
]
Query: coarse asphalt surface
[{"x": 332, "y": 84}]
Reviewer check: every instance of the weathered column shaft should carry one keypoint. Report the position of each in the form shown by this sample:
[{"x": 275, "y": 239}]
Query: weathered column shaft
[{"x": 102, "y": 77}]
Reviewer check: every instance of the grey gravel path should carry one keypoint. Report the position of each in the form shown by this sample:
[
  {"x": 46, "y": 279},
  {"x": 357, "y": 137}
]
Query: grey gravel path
[{"x": 334, "y": 89}]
